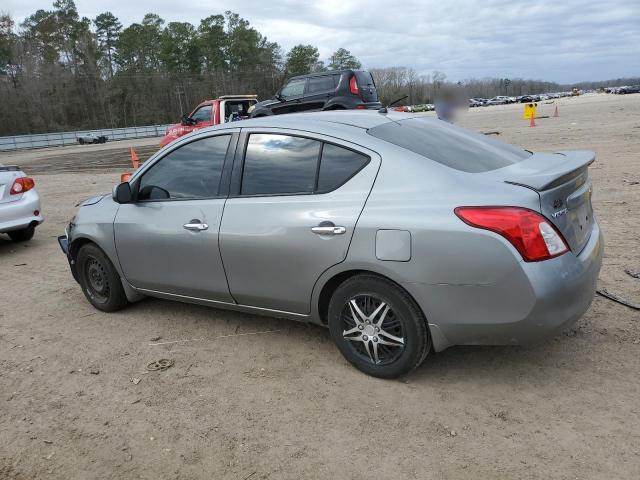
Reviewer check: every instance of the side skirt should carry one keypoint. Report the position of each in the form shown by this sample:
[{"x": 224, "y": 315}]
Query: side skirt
[{"x": 300, "y": 317}]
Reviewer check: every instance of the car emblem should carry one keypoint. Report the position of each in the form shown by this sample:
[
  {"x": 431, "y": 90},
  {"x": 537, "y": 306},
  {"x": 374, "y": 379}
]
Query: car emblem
[
  {"x": 559, "y": 213},
  {"x": 557, "y": 203}
]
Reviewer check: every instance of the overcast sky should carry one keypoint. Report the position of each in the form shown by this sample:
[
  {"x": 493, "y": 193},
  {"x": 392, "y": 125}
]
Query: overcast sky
[{"x": 559, "y": 40}]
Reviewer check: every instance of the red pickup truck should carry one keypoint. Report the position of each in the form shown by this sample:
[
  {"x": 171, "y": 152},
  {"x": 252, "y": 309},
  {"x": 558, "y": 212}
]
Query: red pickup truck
[{"x": 227, "y": 108}]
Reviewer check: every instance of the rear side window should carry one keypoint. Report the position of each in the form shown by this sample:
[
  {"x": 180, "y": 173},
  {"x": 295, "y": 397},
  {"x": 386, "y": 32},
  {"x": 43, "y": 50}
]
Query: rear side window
[
  {"x": 338, "y": 165},
  {"x": 283, "y": 165},
  {"x": 279, "y": 164},
  {"x": 320, "y": 84},
  {"x": 190, "y": 172},
  {"x": 449, "y": 145}
]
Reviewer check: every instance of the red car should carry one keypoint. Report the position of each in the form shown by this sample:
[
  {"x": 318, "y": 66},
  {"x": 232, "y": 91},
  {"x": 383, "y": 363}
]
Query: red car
[{"x": 227, "y": 108}]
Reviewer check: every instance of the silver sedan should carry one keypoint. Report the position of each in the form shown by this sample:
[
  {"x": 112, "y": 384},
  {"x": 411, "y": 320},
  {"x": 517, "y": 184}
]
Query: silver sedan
[
  {"x": 404, "y": 235},
  {"x": 19, "y": 204}
]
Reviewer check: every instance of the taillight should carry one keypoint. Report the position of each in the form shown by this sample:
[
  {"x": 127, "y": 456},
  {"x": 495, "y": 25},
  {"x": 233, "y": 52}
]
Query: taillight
[
  {"x": 528, "y": 231},
  {"x": 21, "y": 185},
  {"x": 353, "y": 86}
]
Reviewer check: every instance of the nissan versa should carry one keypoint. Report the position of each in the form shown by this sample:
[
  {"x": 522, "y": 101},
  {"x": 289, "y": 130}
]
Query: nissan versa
[{"x": 401, "y": 234}]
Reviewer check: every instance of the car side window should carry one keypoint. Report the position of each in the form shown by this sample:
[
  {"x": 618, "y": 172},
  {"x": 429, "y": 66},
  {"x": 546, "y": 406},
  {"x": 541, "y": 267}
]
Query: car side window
[
  {"x": 320, "y": 84},
  {"x": 279, "y": 165},
  {"x": 203, "y": 114},
  {"x": 337, "y": 165},
  {"x": 191, "y": 171},
  {"x": 283, "y": 165},
  {"x": 294, "y": 88}
]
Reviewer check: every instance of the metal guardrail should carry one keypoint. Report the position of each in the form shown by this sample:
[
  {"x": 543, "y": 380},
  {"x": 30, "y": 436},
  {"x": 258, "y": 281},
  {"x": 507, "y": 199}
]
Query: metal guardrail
[{"x": 43, "y": 140}]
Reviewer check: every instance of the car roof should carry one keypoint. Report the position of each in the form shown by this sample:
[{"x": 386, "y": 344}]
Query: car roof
[
  {"x": 329, "y": 72},
  {"x": 320, "y": 121}
]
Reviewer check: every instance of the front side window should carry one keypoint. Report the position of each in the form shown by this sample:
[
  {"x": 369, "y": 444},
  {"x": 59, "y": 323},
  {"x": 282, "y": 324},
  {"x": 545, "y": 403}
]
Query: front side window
[
  {"x": 294, "y": 88},
  {"x": 203, "y": 114},
  {"x": 192, "y": 171},
  {"x": 320, "y": 84},
  {"x": 279, "y": 164}
]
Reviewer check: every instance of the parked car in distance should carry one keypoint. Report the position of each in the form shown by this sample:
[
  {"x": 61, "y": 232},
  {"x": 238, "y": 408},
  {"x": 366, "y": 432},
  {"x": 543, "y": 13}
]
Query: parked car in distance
[
  {"x": 528, "y": 99},
  {"x": 629, "y": 89},
  {"x": 91, "y": 138},
  {"x": 500, "y": 100},
  {"x": 20, "y": 212},
  {"x": 399, "y": 232},
  {"x": 225, "y": 109},
  {"x": 476, "y": 102},
  {"x": 334, "y": 90}
]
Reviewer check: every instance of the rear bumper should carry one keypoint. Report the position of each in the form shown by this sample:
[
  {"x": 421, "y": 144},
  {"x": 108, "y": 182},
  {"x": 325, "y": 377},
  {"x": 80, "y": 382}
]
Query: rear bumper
[
  {"x": 533, "y": 302},
  {"x": 21, "y": 213}
]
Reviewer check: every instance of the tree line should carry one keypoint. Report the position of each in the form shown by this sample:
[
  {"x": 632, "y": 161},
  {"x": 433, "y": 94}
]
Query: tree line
[{"x": 60, "y": 71}]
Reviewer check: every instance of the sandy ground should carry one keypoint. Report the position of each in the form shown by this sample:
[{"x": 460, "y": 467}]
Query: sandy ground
[{"x": 285, "y": 405}]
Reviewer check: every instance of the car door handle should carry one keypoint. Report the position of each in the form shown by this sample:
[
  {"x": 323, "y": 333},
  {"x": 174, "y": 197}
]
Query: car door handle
[
  {"x": 195, "y": 226},
  {"x": 328, "y": 230}
]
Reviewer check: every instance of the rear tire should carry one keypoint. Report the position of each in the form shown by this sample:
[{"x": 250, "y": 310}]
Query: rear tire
[
  {"x": 386, "y": 344},
  {"x": 99, "y": 279},
  {"x": 22, "y": 235}
]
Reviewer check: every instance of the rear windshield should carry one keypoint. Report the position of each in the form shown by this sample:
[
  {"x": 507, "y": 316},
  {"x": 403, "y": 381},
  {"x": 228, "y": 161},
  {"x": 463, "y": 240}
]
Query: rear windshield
[
  {"x": 451, "y": 146},
  {"x": 365, "y": 79}
]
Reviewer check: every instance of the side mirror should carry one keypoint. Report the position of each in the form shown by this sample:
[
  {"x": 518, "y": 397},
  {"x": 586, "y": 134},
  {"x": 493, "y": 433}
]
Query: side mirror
[
  {"x": 122, "y": 193},
  {"x": 186, "y": 120},
  {"x": 279, "y": 97}
]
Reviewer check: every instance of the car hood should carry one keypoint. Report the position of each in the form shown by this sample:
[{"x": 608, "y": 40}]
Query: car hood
[
  {"x": 92, "y": 200},
  {"x": 267, "y": 103}
]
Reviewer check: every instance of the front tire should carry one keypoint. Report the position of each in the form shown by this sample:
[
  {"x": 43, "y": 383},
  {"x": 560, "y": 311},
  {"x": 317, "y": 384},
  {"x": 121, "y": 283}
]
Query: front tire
[
  {"x": 22, "y": 235},
  {"x": 99, "y": 279},
  {"x": 378, "y": 327}
]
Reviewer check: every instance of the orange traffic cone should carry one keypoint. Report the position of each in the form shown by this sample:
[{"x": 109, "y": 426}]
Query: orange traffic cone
[
  {"x": 555, "y": 112},
  {"x": 532, "y": 121},
  {"x": 134, "y": 158}
]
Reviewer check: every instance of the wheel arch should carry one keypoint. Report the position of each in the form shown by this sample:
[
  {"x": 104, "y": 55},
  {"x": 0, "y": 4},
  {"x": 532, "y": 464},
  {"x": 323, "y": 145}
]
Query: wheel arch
[
  {"x": 77, "y": 243},
  {"x": 334, "y": 106},
  {"x": 330, "y": 285},
  {"x": 330, "y": 281}
]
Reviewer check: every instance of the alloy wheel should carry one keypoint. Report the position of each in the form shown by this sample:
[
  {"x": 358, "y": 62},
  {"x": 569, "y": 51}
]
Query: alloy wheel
[{"x": 373, "y": 328}]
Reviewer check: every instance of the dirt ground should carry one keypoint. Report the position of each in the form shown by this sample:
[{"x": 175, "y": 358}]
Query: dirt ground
[{"x": 284, "y": 404}]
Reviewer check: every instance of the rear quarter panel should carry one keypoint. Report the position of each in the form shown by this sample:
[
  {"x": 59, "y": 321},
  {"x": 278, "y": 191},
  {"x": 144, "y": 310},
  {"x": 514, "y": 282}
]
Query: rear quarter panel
[{"x": 416, "y": 194}]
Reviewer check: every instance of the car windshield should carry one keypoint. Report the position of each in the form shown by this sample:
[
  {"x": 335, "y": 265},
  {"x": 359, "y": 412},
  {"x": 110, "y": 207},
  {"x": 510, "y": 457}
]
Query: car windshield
[{"x": 449, "y": 145}]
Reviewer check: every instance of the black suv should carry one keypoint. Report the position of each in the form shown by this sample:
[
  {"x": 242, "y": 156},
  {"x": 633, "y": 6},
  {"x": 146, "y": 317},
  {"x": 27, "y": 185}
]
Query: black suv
[{"x": 337, "y": 90}]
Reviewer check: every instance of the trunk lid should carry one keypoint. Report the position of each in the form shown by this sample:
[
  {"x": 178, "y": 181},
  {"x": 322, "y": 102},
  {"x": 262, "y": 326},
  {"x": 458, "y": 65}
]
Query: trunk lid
[
  {"x": 7, "y": 177},
  {"x": 562, "y": 181},
  {"x": 366, "y": 86}
]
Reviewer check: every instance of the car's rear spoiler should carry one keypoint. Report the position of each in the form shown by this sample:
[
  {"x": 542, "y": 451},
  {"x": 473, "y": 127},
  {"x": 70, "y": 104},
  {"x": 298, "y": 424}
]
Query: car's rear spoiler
[
  {"x": 9, "y": 168},
  {"x": 543, "y": 171}
]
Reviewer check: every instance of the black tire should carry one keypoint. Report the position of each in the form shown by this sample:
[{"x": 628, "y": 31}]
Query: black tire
[
  {"x": 81, "y": 141},
  {"x": 99, "y": 279},
  {"x": 404, "y": 320},
  {"x": 22, "y": 235}
]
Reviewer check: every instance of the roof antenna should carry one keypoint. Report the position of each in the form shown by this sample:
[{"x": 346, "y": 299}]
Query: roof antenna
[{"x": 384, "y": 110}]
